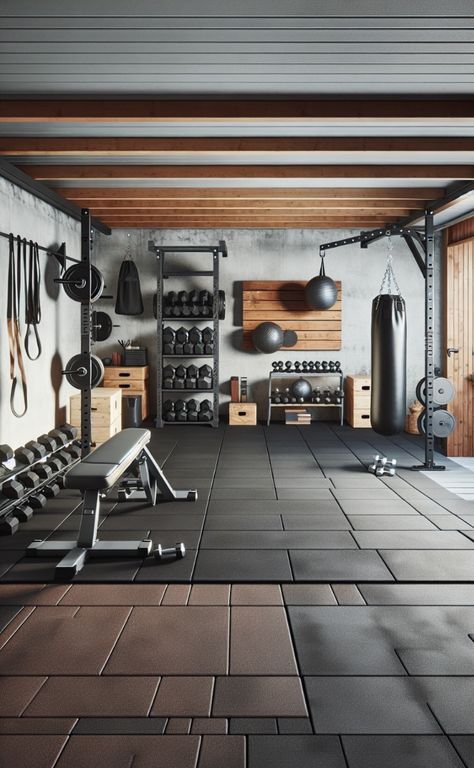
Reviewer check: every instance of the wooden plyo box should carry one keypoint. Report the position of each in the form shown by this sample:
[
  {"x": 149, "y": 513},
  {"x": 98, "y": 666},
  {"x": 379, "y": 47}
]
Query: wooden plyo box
[
  {"x": 357, "y": 401},
  {"x": 106, "y": 413},
  {"x": 243, "y": 414}
]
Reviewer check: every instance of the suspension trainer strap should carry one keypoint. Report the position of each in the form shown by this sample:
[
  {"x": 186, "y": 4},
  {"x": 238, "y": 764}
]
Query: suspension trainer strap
[
  {"x": 13, "y": 326},
  {"x": 32, "y": 298}
]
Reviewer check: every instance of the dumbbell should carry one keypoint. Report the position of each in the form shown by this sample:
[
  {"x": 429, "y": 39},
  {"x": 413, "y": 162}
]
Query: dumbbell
[
  {"x": 305, "y": 366},
  {"x": 43, "y": 470},
  {"x": 168, "y": 377},
  {"x": 50, "y": 443},
  {"x": 205, "y": 411},
  {"x": 316, "y": 398},
  {"x": 169, "y": 339},
  {"x": 180, "y": 409},
  {"x": 13, "y": 489},
  {"x": 205, "y": 377},
  {"x": 275, "y": 365},
  {"x": 29, "y": 479},
  {"x": 6, "y": 453},
  {"x": 60, "y": 437},
  {"x": 172, "y": 298},
  {"x": 310, "y": 365},
  {"x": 288, "y": 365},
  {"x": 37, "y": 500},
  {"x": 39, "y": 451},
  {"x": 297, "y": 365},
  {"x": 195, "y": 335},
  {"x": 168, "y": 411},
  {"x": 324, "y": 365},
  {"x": 23, "y": 455},
  {"x": 204, "y": 298},
  {"x": 193, "y": 296},
  {"x": 207, "y": 335},
  {"x": 188, "y": 348},
  {"x": 55, "y": 464},
  {"x": 182, "y": 335},
  {"x": 74, "y": 450},
  {"x": 191, "y": 377},
  {"x": 337, "y": 365},
  {"x": 51, "y": 490},
  {"x": 317, "y": 366},
  {"x": 179, "y": 377},
  {"x": 183, "y": 297},
  {"x": 64, "y": 457},
  {"x": 23, "y": 513},
  {"x": 193, "y": 406},
  {"x": 177, "y": 551},
  {"x": 69, "y": 431},
  {"x": 327, "y": 397}
]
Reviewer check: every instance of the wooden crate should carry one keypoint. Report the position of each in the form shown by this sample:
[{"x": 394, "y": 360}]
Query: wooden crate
[
  {"x": 283, "y": 302},
  {"x": 114, "y": 374},
  {"x": 106, "y": 407},
  {"x": 242, "y": 414},
  {"x": 357, "y": 401},
  {"x": 99, "y": 434},
  {"x": 297, "y": 416}
]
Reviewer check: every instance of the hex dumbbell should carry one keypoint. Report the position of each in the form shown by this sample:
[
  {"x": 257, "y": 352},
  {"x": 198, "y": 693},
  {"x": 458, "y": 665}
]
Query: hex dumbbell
[
  {"x": 205, "y": 377},
  {"x": 13, "y": 489},
  {"x": 168, "y": 377},
  {"x": 39, "y": 451},
  {"x": 168, "y": 411},
  {"x": 180, "y": 408},
  {"x": 23, "y": 455},
  {"x": 50, "y": 443},
  {"x": 60, "y": 436},
  {"x": 193, "y": 406},
  {"x": 6, "y": 453},
  {"x": 29, "y": 479}
]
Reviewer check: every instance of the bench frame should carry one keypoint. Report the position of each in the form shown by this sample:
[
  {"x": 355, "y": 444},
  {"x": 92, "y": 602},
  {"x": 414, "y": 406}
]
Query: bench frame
[{"x": 143, "y": 474}]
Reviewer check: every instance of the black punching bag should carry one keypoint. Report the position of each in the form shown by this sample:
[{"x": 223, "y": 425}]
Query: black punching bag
[
  {"x": 389, "y": 356},
  {"x": 129, "y": 296}
]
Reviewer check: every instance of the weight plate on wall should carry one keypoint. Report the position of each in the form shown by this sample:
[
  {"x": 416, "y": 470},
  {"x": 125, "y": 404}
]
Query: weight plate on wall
[
  {"x": 101, "y": 326},
  {"x": 77, "y": 371},
  {"x": 76, "y": 277},
  {"x": 443, "y": 391},
  {"x": 443, "y": 423}
]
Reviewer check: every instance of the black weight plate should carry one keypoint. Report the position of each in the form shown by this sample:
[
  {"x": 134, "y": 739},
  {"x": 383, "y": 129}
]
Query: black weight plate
[
  {"x": 75, "y": 288},
  {"x": 421, "y": 392},
  {"x": 421, "y": 421},
  {"x": 443, "y": 423},
  {"x": 78, "y": 371},
  {"x": 101, "y": 326},
  {"x": 443, "y": 391}
]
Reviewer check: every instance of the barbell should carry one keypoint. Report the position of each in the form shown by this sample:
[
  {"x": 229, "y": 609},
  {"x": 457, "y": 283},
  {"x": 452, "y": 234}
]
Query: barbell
[{"x": 84, "y": 370}]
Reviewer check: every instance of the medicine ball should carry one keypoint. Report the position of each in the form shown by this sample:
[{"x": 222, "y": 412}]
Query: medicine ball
[
  {"x": 268, "y": 338},
  {"x": 321, "y": 291},
  {"x": 301, "y": 388}
]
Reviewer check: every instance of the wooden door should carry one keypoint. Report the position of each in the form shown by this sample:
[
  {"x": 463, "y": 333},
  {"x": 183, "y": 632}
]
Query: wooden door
[{"x": 459, "y": 298}]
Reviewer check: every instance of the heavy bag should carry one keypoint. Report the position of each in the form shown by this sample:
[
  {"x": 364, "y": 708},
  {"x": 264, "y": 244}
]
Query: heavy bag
[
  {"x": 389, "y": 356},
  {"x": 129, "y": 296}
]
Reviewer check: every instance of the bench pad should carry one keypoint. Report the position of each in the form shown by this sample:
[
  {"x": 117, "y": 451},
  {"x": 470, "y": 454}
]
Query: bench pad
[{"x": 104, "y": 467}]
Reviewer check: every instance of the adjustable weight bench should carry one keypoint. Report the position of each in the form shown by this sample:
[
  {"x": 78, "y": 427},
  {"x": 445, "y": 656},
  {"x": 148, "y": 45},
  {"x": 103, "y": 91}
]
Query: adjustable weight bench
[{"x": 123, "y": 459}]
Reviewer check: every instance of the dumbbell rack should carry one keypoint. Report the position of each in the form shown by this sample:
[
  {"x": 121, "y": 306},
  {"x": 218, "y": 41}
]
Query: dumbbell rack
[
  {"x": 8, "y": 520},
  {"x": 163, "y": 274},
  {"x": 304, "y": 375}
]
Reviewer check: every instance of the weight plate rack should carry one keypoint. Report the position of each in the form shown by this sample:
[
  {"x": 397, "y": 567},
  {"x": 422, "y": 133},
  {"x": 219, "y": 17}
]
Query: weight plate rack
[{"x": 161, "y": 252}]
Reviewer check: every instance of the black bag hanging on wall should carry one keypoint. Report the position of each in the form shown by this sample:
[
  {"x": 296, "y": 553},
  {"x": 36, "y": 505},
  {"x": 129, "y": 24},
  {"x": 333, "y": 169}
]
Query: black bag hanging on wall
[
  {"x": 129, "y": 296},
  {"x": 389, "y": 354}
]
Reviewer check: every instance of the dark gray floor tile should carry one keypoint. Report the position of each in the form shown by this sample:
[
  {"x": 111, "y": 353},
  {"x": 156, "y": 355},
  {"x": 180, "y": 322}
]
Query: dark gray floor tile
[
  {"x": 412, "y": 540},
  {"x": 242, "y": 565},
  {"x": 246, "y": 482},
  {"x": 291, "y": 751},
  {"x": 418, "y": 594},
  {"x": 308, "y": 594},
  {"x": 390, "y": 523},
  {"x": 376, "y": 507},
  {"x": 451, "y": 699},
  {"x": 170, "y": 538},
  {"x": 294, "y": 725},
  {"x": 305, "y": 481},
  {"x": 335, "y": 522},
  {"x": 168, "y": 570},
  {"x": 120, "y": 725},
  {"x": 338, "y": 565},
  {"x": 318, "y": 494},
  {"x": 30, "y": 569},
  {"x": 170, "y": 522},
  {"x": 273, "y": 507},
  {"x": 262, "y": 725},
  {"x": 275, "y": 540},
  {"x": 373, "y": 494},
  {"x": 243, "y": 523},
  {"x": 430, "y": 565},
  {"x": 408, "y": 751},
  {"x": 465, "y": 747},
  {"x": 243, "y": 493},
  {"x": 449, "y": 522},
  {"x": 369, "y": 705}
]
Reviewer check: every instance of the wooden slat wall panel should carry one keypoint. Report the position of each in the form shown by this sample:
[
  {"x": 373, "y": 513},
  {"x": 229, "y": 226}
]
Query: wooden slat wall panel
[
  {"x": 283, "y": 302},
  {"x": 459, "y": 333}
]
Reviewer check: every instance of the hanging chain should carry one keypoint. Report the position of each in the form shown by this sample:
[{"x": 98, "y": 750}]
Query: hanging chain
[{"x": 389, "y": 275}]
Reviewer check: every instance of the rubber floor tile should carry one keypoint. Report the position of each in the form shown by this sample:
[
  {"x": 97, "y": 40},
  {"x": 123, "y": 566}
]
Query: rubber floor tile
[
  {"x": 256, "y": 594},
  {"x": 250, "y": 482},
  {"x": 170, "y": 640},
  {"x": 294, "y": 725},
  {"x": 16, "y": 693},
  {"x": 291, "y": 751},
  {"x": 315, "y": 494},
  {"x": 94, "y": 697},
  {"x": 308, "y": 594},
  {"x": 120, "y": 725},
  {"x": 184, "y": 697},
  {"x": 57, "y": 641},
  {"x": 430, "y": 565},
  {"x": 451, "y": 699},
  {"x": 245, "y": 725},
  {"x": 109, "y": 569},
  {"x": 465, "y": 747},
  {"x": 167, "y": 570},
  {"x": 35, "y": 594},
  {"x": 306, "y": 481},
  {"x": 177, "y": 725},
  {"x": 273, "y": 507},
  {"x": 316, "y": 522},
  {"x": 243, "y": 523},
  {"x": 7, "y": 613},
  {"x": 243, "y": 565},
  {"x": 31, "y": 570},
  {"x": 169, "y": 538},
  {"x": 219, "y": 751},
  {"x": 347, "y": 594},
  {"x": 32, "y": 726},
  {"x": 183, "y": 522},
  {"x": 119, "y": 751},
  {"x": 30, "y": 751},
  {"x": 412, "y": 540},
  {"x": 275, "y": 540},
  {"x": 176, "y": 594},
  {"x": 369, "y": 705},
  {"x": 395, "y": 751},
  {"x": 390, "y": 523},
  {"x": 450, "y": 522},
  {"x": 258, "y": 697},
  {"x": 114, "y": 594},
  {"x": 209, "y": 594},
  {"x": 260, "y": 642},
  {"x": 8, "y": 559},
  {"x": 418, "y": 594},
  {"x": 376, "y": 507},
  {"x": 338, "y": 565},
  {"x": 211, "y": 725},
  {"x": 243, "y": 493}
]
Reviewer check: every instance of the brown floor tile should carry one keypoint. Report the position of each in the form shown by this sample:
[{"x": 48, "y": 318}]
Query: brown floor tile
[
  {"x": 256, "y": 594},
  {"x": 209, "y": 594},
  {"x": 177, "y": 725},
  {"x": 219, "y": 751},
  {"x": 94, "y": 697},
  {"x": 16, "y": 693},
  {"x": 215, "y": 725},
  {"x": 176, "y": 594},
  {"x": 348, "y": 594},
  {"x": 259, "y": 697},
  {"x": 31, "y": 594},
  {"x": 126, "y": 751},
  {"x": 57, "y": 641},
  {"x": 172, "y": 641},
  {"x": 114, "y": 594},
  {"x": 261, "y": 642},
  {"x": 308, "y": 594},
  {"x": 15, "y": 623},
  {"x": 37, "y": 725},
  {"x": 184, "y": 697},
  {"x": 31, "y": 751}
]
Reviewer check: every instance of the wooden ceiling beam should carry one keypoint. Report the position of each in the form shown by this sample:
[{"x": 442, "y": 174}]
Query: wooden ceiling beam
[
  {"x": 391, "y": 194},
  {"x": 218, "y": 221},
  {"x": 120, "y": 146},
  {"x": 217, "y": 110},
  {"x": 276, "y": 224},
  {"x": 73, "y": 172},
  {"x": 249, "y": 210}
]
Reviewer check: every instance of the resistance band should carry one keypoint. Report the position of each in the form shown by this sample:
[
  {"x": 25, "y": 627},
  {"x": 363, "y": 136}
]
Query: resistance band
[{"x": 13, "y": 325}]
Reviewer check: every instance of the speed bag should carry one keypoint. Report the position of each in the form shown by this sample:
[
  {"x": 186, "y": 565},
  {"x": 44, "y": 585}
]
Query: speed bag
[
  {"x": 129, "y": 296},
  {"x": 389, "y": 359}
]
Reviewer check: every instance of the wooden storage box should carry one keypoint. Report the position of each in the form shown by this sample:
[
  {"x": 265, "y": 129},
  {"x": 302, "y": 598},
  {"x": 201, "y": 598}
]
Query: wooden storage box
[
  {"x": 106, "y": 413},
  {"x": 242, "y": 414},
  {"x": 357, "y": 401}
]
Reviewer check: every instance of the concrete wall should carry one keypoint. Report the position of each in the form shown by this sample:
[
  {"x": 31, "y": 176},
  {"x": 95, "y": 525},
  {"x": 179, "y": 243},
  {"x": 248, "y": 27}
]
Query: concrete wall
[
  {"x": 272, "y": 255},
  {"x": 48, "y": 391}
]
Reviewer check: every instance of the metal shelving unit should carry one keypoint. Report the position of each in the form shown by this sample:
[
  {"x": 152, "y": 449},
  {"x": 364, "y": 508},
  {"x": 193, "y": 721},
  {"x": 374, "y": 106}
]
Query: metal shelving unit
[
  {"x": 161, "y": 251},
  {"x": 304, "y": 375}
]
